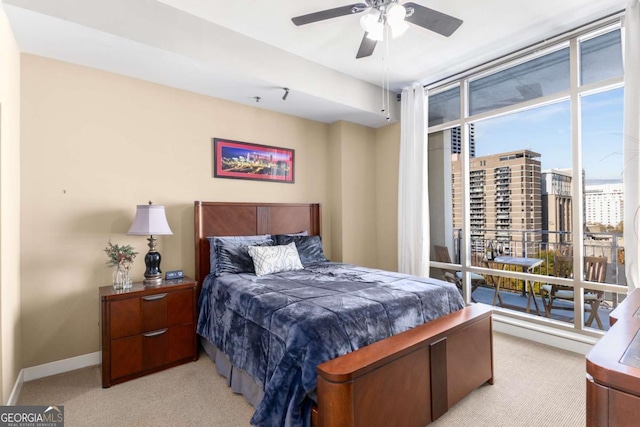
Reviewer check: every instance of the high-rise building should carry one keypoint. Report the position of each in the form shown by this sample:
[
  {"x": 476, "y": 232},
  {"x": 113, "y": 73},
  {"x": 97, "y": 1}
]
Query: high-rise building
[
  {"x": 456, "y": 140},
  {"x": 604, "y": 204},
  {"x": 505, "y": 198},
  {"x": 557, "y": 207}
]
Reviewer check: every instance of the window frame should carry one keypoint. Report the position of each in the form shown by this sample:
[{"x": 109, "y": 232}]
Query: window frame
[{"x": 574, "y": 95}]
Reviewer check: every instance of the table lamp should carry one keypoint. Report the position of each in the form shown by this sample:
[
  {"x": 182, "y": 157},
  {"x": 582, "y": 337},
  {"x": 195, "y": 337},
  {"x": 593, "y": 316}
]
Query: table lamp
[{"x": 150, "y": 220}]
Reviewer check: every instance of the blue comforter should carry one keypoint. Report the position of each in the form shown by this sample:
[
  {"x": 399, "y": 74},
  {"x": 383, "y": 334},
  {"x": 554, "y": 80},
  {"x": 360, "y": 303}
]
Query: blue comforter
[{"x": 279, "y": 327}]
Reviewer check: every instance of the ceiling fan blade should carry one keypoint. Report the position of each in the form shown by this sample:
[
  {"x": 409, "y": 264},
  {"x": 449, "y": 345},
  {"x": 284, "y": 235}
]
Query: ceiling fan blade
[
  {"x": 329, "y": 13},
  {"x": 433, "y": 20},
  {"x": 366, "y": 47}
]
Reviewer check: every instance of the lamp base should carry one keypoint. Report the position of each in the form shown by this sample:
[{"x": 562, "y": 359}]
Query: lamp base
[
  {"x": 152, "y": 281},
  {"x": 152, "y": 273}
]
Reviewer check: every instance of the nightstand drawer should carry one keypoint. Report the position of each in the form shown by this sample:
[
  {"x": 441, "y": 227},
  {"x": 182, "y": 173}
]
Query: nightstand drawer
[
  {"x": 180, "y": 309},
  {"x": 125, "y": 318},
  {"x": 147, "y": 329},
  {"x": 181, "y": 343},
  {"x": 155, "y": 348},
  {"x": 154, "y": 312},
  {"x": 126, "y": 356}
]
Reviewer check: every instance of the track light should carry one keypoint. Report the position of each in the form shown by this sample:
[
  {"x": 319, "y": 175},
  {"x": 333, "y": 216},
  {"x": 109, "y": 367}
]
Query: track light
[{"x": 286, "y": 93}]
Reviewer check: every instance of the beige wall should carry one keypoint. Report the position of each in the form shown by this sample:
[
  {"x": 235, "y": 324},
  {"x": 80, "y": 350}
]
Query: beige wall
[
  {"x": 353, "y": 169},
  {"x": 334, "y": 169},
  {"x": 95, "y": 144},
  {"x": 363, "y": 172},
  {"x": 386, "y": 178},
  {"x": 10, "y": 324}
]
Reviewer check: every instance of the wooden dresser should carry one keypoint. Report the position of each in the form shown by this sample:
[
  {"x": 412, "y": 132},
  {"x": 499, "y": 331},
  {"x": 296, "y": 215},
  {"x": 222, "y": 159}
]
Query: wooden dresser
[
  {"x": 613, "y": 369},
  {"x": 146, "y": 329}
]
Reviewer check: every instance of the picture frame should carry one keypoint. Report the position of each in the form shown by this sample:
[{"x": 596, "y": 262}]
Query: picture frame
[{"x": 245, "y": 160}]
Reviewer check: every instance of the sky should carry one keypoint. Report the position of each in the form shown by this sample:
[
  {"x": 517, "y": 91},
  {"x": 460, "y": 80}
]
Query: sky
[{"x": 547, "y": 130}]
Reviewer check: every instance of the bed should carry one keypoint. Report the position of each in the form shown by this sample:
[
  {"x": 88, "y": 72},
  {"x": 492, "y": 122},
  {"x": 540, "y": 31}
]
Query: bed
[{"x": 410, "y": 363}]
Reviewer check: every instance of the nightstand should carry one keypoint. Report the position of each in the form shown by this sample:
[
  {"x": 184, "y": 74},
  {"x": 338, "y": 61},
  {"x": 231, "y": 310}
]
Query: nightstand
[{"x": 146, "y": 329}]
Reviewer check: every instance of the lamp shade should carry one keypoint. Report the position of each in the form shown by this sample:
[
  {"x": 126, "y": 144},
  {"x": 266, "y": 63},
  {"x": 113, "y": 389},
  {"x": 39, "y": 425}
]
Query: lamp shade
[{"x": 150, "y": 220}]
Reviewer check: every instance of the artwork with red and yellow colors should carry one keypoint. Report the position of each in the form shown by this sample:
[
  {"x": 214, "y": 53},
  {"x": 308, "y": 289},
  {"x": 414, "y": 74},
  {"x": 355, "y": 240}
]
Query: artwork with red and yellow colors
[{"x": 243, "y": 160}]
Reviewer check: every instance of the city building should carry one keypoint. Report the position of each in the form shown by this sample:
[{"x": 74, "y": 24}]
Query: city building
[
  {"x": 557, "y": 207},
  {"x": 505, "y": 200},
  {"x": 604, "y": 204},
  {"x": 456, "y": 140}
]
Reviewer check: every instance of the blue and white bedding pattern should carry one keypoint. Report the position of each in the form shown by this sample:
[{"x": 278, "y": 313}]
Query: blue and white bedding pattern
[{"x": 279, "y": 327}]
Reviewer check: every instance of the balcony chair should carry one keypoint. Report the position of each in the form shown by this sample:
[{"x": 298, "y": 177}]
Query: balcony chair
[
  {"x": 442, "y": 255},
  {"x": 595, "y": 270}
]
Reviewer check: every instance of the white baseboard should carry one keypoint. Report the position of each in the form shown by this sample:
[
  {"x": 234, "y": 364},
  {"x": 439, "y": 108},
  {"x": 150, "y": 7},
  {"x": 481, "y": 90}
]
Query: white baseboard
[
  {"x": 60, "y": 366},
  {"x": 554, "y": 337},
  {"x": 17, "y": 387},
  {"x": 53, "y": 368}
]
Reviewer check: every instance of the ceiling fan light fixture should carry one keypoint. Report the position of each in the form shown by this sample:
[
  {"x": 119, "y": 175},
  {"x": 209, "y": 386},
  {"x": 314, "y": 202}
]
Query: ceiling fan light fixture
[
  {"x": 395, "y": 14},
  {"x": 398, "y": 29},
  {"x": 371, "y": 21},
  {"x": 377, "y": 34}
]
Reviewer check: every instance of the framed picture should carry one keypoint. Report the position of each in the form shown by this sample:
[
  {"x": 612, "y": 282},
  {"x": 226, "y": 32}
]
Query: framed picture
[{"x": 243, "y": 160}]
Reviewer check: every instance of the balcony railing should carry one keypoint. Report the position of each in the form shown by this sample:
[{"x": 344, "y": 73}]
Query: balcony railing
[
  {"x": 545, "y": 245},
  {"x": 517, "y": 293}
]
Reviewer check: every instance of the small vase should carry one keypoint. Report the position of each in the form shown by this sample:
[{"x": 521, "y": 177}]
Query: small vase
[
  {"x": 118, "y": 277},
  {"x": 127, "y": 283}
]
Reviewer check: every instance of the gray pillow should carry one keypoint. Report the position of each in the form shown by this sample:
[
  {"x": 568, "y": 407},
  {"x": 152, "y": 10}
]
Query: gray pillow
[
  {"x": 233, "y": 256},
  {"x": 216, "y": 241},
  {"x": 309, "y": 247}
]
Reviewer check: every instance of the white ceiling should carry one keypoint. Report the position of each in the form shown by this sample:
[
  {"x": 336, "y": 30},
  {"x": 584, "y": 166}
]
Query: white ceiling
[{"x": 241, "y": 49}]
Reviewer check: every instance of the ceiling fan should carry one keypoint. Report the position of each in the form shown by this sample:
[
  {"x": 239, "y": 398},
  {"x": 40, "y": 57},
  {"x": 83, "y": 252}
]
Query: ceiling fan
[{"x": 387, "y": 15}]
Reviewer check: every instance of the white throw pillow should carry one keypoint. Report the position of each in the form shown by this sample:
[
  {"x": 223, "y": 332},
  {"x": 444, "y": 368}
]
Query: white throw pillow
[{"x": 274, "y": 259}]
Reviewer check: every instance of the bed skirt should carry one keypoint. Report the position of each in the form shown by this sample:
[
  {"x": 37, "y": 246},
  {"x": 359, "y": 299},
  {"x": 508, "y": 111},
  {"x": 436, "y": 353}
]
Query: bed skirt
[{"x": 239, "y": 381}]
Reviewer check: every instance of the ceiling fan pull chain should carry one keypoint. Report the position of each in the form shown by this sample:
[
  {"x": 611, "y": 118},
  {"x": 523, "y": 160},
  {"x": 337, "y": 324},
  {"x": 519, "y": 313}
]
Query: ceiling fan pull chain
[
  {"x": 383, "y": 83},
  {"x": 386, "y": 56},
  {"x": 388, "y": 78}
]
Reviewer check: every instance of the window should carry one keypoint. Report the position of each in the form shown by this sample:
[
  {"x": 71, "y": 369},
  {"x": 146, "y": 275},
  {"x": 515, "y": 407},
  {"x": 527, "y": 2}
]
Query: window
[
  {"x": 600, "y": 57},
  {"x": 444, "y": 106},
  {"x": 602, "y": 165},
  {"x": 525, "y": 195},
  {"x": 541, "y": 76}
]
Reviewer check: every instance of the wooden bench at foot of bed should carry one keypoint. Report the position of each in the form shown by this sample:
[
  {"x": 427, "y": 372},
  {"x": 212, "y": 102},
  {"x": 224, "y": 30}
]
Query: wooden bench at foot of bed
[{"x": 410, "y": 379}]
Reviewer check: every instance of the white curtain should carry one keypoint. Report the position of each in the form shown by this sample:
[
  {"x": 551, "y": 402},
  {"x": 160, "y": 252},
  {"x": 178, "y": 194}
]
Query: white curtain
[
  {"x": 632, "y": 143},
  {"x": 413, "y": 201}
]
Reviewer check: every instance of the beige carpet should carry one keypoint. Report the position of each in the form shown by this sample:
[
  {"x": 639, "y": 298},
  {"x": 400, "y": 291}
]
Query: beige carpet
[{"x": 534, "y": 385}]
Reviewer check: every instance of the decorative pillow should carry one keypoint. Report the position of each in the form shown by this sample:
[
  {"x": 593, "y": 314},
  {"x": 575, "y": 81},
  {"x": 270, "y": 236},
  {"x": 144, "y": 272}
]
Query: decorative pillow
[
  {"x": 216, "y": 241},
  {"x": 274, "y": 259},
  {"x": 309, "y": 247},
  {"x": 233, "y": 257}
]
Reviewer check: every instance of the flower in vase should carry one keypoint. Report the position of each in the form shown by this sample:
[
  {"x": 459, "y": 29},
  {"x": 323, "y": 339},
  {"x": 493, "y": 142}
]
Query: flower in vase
[{"x": 122, "y": 256}]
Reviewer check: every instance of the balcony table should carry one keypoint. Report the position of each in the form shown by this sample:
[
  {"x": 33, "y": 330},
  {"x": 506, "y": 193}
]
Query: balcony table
[{"x": 526, "y": 265}]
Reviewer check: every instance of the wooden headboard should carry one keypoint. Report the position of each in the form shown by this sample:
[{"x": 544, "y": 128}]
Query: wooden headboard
[{"x": 246, "y": 219}]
